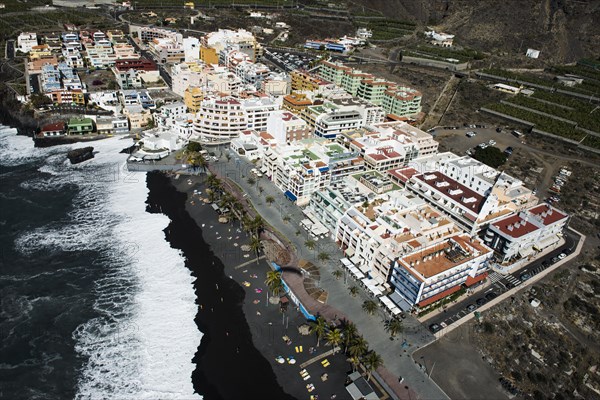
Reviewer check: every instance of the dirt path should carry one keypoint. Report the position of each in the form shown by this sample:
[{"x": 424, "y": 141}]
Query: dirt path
[{"x": 442, "y": 104}]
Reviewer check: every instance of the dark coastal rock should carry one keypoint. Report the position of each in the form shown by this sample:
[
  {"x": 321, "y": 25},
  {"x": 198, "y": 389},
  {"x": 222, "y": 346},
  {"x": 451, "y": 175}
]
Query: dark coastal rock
[{"x": 80, "y": 155}]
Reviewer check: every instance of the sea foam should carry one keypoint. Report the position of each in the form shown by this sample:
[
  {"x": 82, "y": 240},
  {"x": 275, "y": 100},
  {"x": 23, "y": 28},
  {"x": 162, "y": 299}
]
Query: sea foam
[{"x": 143, "y": 343}]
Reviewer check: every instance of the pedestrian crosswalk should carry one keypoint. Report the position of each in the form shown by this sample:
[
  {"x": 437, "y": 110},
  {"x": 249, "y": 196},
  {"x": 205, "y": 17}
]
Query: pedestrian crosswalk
[
  {"x": 513, "y": 280},
  {"x": 495, "y": 277}
]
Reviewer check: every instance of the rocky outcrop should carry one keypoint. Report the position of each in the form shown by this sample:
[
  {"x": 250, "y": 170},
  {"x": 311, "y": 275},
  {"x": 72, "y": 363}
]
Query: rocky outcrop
[{"x": 80, "y": 155}]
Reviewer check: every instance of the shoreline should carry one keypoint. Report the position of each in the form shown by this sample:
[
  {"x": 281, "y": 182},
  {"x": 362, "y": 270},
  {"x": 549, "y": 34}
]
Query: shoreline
[{"x": 242, "y": 330}]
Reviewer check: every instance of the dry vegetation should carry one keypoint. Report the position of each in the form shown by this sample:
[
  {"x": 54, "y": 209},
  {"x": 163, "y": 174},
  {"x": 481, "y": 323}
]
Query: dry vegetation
[{"x": 550, "y": 351}]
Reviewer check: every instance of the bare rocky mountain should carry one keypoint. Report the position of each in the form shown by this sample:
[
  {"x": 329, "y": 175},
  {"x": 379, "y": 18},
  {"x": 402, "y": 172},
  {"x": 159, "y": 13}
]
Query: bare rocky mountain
[{"x": 564, "y": 30}]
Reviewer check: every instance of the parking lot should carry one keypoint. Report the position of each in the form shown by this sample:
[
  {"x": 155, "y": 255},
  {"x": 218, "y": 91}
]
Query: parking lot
[
  {"x": 456, "y": 139},
  {"x": 288, "y": 61}
]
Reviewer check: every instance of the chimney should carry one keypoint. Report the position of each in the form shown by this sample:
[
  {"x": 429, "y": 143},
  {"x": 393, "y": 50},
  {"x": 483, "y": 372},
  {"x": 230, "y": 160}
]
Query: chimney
[{"x": 510, "y": 227}]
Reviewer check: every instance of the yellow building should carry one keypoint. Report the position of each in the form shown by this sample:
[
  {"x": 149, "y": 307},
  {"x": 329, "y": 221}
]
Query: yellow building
[
  {"x": 189, "y": 4},
  {"x": 302, "y": 80},
  {"x": 193, "y": 97},
  {"x": 209, "y": 55},
  {"x": 75, "y": 96},
  {"x": 40, "y": 51},
  {"x": 296, "y": 102}
]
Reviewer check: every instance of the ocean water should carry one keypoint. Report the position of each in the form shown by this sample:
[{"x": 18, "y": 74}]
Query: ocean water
[{"x": 95, "y": 303}]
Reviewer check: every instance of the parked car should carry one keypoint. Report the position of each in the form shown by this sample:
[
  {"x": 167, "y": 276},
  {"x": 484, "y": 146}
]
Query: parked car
[
  {"x": 525, "y": 276},
  {"x": 434, "y": 328},
  {"x": 481, "y": 301},
  {"x": 471, "y": 307},
  {"x": 498, "y": 130},
  {"x": 508, "y": 150},
  {"x": 555, "y": 260},
  {"x": 471, "y": 134},
  {"x": 492, "y": 142},
  {"x": 491, "y": 296},
  {"x": 561, "y": 256}
]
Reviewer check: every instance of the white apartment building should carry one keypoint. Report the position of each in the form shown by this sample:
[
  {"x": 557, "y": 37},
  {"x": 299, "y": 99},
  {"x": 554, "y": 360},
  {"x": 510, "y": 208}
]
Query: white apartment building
[
  {"x": 167, "y": 50},
  {"x": 381, "y": 228},
  {"x": 219, "y": 120},
  {"x": 191, "y": 48},
  {"x": 221, "y": 81},
  {"x": 26, "y": 41},
  {"x": 148, "y": 33},
  {"x": 432, "y": 273},
  {"x": 526, "y": 233},
  {"x": 169, "y": 113},
  {"x": 373, "y": 114},
  {"x": 252, "y": 73},
  {"x": 276, "y": 84},
  {"x": 73, "y": 58},
  {"x": 184, "y": 75},
  {"x": 472, "y": 193},
  {"x": 231, "y": 57},
  {"x": 301, "y": 168},
  {"x": 257, "y": 111},
  {"x": 389, "y": 145},
  {"x": 243, "y": 39},
  {"x": 286, "y": 127},
  {"x": 125, "y": 51}
]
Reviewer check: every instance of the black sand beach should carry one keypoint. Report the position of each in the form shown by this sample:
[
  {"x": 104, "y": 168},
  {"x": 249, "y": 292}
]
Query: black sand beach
[{"x": 242, "y": 331}]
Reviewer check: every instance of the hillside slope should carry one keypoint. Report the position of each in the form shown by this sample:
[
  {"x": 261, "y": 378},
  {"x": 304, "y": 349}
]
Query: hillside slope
[{"x": 564, "y": 30}]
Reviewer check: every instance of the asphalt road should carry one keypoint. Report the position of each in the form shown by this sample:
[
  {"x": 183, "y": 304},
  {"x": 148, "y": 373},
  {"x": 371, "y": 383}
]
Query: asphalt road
[
  {"x": 502, "y": 283},
  {"x": 10, "y": 49},
  {"x": 34, "y": 83},
  {"x": 164, "y": 74}
]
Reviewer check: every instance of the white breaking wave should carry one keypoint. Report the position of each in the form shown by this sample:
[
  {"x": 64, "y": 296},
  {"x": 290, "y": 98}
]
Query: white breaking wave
[{"x": 143, "y": 343}]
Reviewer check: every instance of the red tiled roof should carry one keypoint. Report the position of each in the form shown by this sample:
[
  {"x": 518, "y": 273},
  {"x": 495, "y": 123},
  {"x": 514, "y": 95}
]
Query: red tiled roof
[
  {"x": 547, "y": 213},
  {"x": 471, "y": 281},
  {"x": 57, "y": 126},
  {"x": 466, "y": 193},
  {"x": 438, "y": 296},
  {"x": 403, "y": 174},
  {"x": 515, "y": 226}
]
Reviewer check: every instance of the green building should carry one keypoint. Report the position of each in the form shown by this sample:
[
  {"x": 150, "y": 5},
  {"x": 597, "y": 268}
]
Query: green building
[{"x": 80, "y": 126}]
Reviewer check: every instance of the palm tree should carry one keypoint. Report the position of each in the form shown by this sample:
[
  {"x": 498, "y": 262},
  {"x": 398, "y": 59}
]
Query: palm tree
[
  {"x": 369, "y": 306},
  {"x": 318, "y": 326},
  {"x": 393, "y": 326},
  {"x": 270, "y": 199},
  {"x": 251, "y": 181},
  {"x": 257, "y": 224},
  {"x": 358, "y": 347},
  {"x": 349, "y": 333},
  {"x": 372, "y": 361},
  {"x": 353, "y": 291},
  {"x": 310, "y": 244},
  {"x": 337, "y": 274},
  {"x": 201, "y": 162},
  {"x": 255, "y": 246},
  {"x": 213, "y": 182},
  {"x": 323, "y": 256},
  {"x": 334, "y": 338},
  {"x": 355, "y": 361},
  {"x": 286, "y": 218},
  {"x": 273, "y": 279}
]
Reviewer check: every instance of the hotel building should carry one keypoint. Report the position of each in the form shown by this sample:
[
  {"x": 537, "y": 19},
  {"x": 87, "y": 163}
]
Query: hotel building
[
  {"x": 432, "y": 273},
  {"x": 525, "y": 233}
]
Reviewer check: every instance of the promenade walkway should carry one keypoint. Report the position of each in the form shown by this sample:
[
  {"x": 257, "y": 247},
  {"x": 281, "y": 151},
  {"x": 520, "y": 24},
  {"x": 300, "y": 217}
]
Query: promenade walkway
[{"x": 396, "y": 354}]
